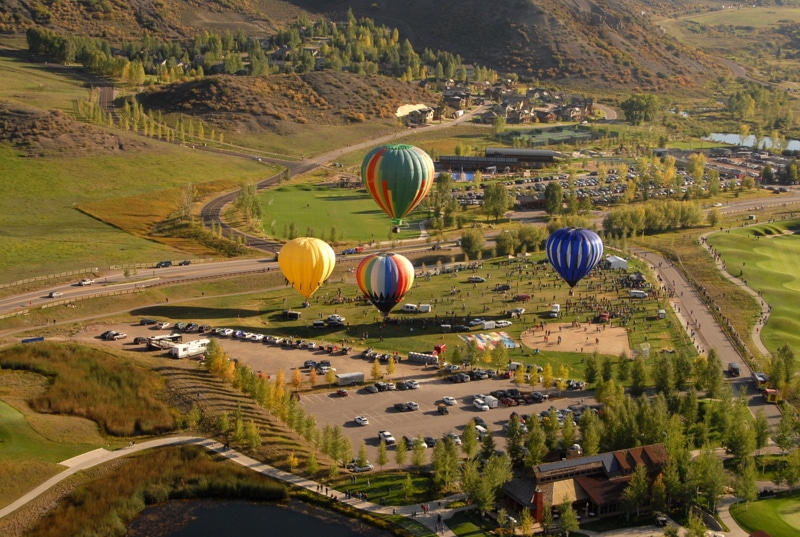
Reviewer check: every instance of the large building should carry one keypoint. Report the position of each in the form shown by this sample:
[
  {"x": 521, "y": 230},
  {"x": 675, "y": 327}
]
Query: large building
[
  {"x": 501, "y": 159},
  {"x": 593, "y": 484}
]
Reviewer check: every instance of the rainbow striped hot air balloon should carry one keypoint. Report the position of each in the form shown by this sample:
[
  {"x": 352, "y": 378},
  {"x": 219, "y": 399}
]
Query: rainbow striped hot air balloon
[
  {"x": 385, "y": 279},
  {"x": 574, "y": 252},
  {"x": 306, "y": 263},
  {"x": 398, "y": 177}
]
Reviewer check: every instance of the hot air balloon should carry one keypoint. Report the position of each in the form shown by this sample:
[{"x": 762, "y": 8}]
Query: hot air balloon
[
  {"x": 306, "y": 263},
  {"x": 397, "y": 177},
  {"x": 384, "y": 279},
  {"x": 574, "y": 252}
]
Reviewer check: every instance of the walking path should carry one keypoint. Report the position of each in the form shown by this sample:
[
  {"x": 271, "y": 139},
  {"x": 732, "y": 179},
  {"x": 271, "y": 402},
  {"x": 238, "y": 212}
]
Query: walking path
[
  {"x": 765, "y": 308},
  {"x": 431, "y": 519}
]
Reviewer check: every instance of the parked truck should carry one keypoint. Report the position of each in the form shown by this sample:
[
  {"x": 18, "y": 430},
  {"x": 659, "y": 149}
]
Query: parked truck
[
  {"x": 190, "y": 349},
  {"x": 491, "y": 401},
  {"x": 349, "y": 379}
]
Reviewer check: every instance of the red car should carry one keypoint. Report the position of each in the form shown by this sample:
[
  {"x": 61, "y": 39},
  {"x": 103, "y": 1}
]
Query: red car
[{"x": 341, "y": 392}]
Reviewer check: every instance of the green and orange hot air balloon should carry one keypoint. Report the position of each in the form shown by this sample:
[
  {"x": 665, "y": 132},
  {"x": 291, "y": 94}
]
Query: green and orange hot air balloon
[{"x": 398, "y": 177}]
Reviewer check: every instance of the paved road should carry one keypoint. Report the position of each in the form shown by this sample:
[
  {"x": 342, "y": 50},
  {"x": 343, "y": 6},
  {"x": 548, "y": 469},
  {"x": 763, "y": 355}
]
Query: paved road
[{"x": 698, "y": 320}]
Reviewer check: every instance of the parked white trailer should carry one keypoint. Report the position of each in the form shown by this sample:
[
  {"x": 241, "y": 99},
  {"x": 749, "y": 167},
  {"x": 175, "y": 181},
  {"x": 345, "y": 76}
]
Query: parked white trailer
[
  {"x": 491, "y": 401},
  {"x": 349, "y": 379},
  {"x": 192, "y": 348}
]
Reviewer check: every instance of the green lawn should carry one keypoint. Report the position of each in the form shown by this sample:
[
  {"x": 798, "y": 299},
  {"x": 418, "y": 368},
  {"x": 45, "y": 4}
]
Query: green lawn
[
  {"x": 321, "y": 206},
  {"x": 388, "y": 486},
  {"x": 779, "y": 516},
  {"x": 768, "y": 256}
]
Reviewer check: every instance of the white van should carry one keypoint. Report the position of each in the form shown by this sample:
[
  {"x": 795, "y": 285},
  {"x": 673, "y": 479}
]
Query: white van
[
  {"x": 638, "y": 293},
  {"x": 410, "y": 308},
  {"x": 555, "y": 311}
]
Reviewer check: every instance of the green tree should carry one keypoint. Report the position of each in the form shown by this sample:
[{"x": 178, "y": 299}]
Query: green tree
[
  {"x": 488, "y": 447},
  {"x": 707, "y": 471},
  {"x": 568, "y": 518},
  {"x": 498, "y": 126},
  {"x": 745, "y": 484},
  {"x": 514, "y": 437},
  {"x": 252, "y": 436},
  {"x": 496, "y": 201},
  {"x": 638, "y": 376},
  {"x": 637, "y": 492},
  {"x": 383, "y": 455},
  {"x": 553, "y": 198},
  {"x": 568, "y": 433},
  {"x": 591, "y": 433},
  {"x": 312, "y": 466},
  {"x": 445, "y": 464},
  {"x": 535, "y": 443},
  {"x": 400, "y": 453},
  {"x": 408, "y": 487},
  {"x": 472, "y": 243},
  {"x": 362, "y": 459},
  {"x": 590, "y": 369},
  {"x": 469, "y": 440},
  {"x": 640, "y": 108},
  {"x": 418, "y": 452},
  {"x": 526, "y": 523}
]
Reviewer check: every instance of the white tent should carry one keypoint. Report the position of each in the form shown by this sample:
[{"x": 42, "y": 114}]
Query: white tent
[{"x": 614, "y": 262}]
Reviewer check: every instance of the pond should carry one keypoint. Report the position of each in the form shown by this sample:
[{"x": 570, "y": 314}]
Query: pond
[
  {"x": 750, "y": 141},
  {"x": 214, "y": 518}
]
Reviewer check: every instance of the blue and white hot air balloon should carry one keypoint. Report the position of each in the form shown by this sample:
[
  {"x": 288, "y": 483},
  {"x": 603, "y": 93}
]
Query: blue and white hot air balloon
[{"x": 574, "y": 252}]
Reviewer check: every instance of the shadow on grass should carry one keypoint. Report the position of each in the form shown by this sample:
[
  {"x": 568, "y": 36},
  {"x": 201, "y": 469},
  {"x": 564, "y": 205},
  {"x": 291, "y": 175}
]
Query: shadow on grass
[{"x": 194, "y": 313}]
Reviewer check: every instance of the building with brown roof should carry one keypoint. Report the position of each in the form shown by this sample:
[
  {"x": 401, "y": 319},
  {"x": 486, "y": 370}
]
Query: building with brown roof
[{"x": 594, "y": 484}]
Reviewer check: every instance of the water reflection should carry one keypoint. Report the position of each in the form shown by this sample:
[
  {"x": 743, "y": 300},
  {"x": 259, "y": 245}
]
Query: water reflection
[
  {"x": 750, "y": 141},
  {"x": 211, "y": 518}
]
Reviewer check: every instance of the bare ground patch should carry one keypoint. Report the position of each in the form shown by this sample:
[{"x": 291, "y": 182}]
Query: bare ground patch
[{"x": 581, "y": 338}]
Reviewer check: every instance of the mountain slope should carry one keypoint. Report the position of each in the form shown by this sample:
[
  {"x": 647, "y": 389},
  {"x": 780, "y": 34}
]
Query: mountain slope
[{"x": 577, "y": 42}]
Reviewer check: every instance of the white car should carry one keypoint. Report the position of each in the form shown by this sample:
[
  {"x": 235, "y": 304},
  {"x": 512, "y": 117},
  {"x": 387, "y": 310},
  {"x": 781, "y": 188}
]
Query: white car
[
  {"x": 164, "y": 324},
  {"x": 411, "y": 405},
  {"x": 452, "y": 436},
  {"x": 336, "y": 318},
  {"x": 390, "y": 386},
  {"x": 119, "y": 335},
  {"x": 502, "y": 323},
  {"x": 86, "y": 281},
  {"x": 55, "y": 294},
  {"x": 449, "y": 401},
  {"x": 387, "y": 437},
  {"x": 362, "y": 420},
  {"x": 257, "y": 337},
  {"x": 412, "y": 384},
  {"x": 478, "y": 396},
  {"x": 480, "y": 405},
  {"x": 227, "y": 332},
  {"x": 476, "y": 322}
]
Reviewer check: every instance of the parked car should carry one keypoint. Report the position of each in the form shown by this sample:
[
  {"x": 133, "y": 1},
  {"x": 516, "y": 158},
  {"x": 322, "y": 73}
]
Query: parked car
[
  {"x": 449, "y": 401},
  {"x": 185, "y": 263},
  {"x": 362, "y": 420},
  {"x": 358, "y": 469},
  {"x": 164, "y": 325},
  {"x": 119, "y": 335},
  {"x": 401, "y": 407},
  {"x": 460, "y": 328},
  {"x": 411, "y": 405},
  {"x": 163, "y": 264},
  {"x": 502, "y": 323},
  {"x": 502, "y": 287},
  {"x": 341, "y": 392},
  {"x": 371, "y": 388},
  {"x": 387, "y": 437},
  {"x": 476, "y": 279},
  {"x": 412, "y": 384}
]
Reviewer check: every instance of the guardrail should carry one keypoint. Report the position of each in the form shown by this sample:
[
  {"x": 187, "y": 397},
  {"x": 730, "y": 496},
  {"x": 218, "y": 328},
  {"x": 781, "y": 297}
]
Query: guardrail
[{"x": 49, "y": 277}]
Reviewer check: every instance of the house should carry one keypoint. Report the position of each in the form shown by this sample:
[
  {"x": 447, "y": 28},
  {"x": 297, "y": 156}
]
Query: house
[
  {"x": 415, "y": 113},
  {"x": 545, "y": 116},
  {"x": 616, "y": 263},
  {"x": 594, "y": 484}
]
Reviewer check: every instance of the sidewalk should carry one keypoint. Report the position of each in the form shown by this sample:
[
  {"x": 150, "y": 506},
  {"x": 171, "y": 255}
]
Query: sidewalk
[{"x": 100, "y": 456}]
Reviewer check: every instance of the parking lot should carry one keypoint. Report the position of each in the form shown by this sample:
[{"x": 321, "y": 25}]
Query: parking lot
[{"x": 328, "y": 407}]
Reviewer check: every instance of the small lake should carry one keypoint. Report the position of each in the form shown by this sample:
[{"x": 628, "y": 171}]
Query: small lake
[
  {"x": 749, "y": 141},
  {"x": 213, "y": 518}
]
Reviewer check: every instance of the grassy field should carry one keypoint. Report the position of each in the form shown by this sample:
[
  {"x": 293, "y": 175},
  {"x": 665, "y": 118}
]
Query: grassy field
[
  {"x": 37, "y": 84},
  {"x": 768, "y": 256},
  {"x": 779, "y": 516},
  {"x": 32, "y": 444},
  {"x": 321, "y": 206},
  {"x": 388, "y": 487},
  {"x": 56, "y": 215}
]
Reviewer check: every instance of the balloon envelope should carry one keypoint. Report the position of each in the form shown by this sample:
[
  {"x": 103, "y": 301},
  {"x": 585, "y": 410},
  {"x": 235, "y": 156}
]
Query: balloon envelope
[
  {"x": 384, "y": 279},
  {"x": 574, "y": 252},
  {"x": 398, "y": 177},
  {"x": 306, "y": 262}
]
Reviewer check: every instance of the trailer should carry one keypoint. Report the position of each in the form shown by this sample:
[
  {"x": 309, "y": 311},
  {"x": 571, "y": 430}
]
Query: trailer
[
  {"x": 190, "y": 349},
  {"x": 349, "y": 379},
  {"x": 491, "y": 401},
  {"x": 166, "y": 341}
]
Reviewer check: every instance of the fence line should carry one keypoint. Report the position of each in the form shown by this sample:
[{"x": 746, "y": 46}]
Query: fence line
[{"x": 49, "y": 277}]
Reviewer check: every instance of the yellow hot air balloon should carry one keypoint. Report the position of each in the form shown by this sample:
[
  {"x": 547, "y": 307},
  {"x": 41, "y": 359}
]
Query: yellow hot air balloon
[{"x": 306, "y": 263}]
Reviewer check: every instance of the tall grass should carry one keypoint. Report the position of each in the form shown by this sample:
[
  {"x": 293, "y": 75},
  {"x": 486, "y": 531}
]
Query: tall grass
[
  {"x": 104, "y": 506},
  {"x": 121, "y": 397}
]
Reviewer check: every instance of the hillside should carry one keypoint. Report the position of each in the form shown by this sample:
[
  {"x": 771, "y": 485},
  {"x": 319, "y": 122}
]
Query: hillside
[
  {"x": 250, "y": 104},
  {"x": 572, "y": 42}
]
